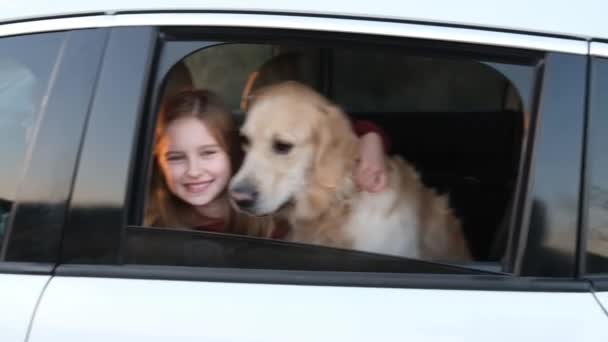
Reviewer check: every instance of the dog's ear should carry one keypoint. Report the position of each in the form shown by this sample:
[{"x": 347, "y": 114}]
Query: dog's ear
[
  {"x": 247, "y": 95},
  {"x": 337, "y": 146}
]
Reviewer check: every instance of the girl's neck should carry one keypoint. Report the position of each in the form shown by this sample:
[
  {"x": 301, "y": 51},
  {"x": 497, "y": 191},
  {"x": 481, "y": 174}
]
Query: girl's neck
[{"x": 218, "y": 209}]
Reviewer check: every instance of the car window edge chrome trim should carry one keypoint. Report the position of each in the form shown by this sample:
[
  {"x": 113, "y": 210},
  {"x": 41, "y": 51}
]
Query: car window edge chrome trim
[{"x": 360, "y": 26}]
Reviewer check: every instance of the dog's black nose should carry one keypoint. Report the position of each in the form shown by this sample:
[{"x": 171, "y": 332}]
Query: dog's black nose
[{"x": 244, "y": 195}]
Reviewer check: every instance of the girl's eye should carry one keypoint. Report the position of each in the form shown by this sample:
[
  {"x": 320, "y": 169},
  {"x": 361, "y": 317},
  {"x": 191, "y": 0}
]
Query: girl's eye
[
  {"x": 208, "y": 153},
  {"x": 174, "y": 158}
]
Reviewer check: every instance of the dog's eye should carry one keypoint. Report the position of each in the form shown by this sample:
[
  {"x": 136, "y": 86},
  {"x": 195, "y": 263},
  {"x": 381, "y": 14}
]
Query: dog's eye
[
  {"x": 244, "y": 141},
  {"x": 281, "y": 147}
]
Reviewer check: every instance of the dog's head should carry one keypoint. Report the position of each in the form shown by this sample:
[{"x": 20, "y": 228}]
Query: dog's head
[{"x": 298, "y": 149}]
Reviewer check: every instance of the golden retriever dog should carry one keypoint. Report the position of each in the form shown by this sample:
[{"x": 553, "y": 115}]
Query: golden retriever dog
[{"x": 300, "y": 154}]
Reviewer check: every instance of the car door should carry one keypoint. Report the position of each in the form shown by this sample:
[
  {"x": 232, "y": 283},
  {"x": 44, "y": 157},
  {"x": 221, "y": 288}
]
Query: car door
[
  {"x": 46, "y": 82},
  {"x": 121, "y": 281}
]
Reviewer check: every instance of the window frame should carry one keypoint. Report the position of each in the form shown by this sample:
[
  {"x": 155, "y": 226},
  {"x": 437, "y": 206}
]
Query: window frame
[
  {"x": 174, "y": 50},
  {"x": 554, "y": 143},
  {"x": 112, "y": 206},
  {"x": 33, "y": 239},
  {"x": 596, "y": 132},
  {"x": 114, "y": 114}
]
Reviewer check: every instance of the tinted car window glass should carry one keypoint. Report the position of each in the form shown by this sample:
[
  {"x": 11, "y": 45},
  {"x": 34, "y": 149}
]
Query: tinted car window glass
[
  {"x": 26, "y": 67},
  {"x": 597, "y": 197}
]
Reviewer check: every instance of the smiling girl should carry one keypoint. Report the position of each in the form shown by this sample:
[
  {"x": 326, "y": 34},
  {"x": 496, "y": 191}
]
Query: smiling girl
[{"x": 195, "y": 156}]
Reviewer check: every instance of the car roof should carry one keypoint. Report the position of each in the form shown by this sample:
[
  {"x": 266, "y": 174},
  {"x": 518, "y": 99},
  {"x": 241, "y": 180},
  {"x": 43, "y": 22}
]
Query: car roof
[{"x": 585, "y": 19}]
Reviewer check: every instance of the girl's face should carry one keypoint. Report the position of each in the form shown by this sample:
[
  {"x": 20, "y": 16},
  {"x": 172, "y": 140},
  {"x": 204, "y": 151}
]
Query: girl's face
[{"x": 195, "y": 167}]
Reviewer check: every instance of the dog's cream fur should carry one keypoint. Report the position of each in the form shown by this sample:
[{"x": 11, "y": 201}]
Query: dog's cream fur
[{"x": 312, "y": 185}]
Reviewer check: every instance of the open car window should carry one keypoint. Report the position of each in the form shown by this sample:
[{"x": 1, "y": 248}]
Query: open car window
[{"x": 460, "y": 117}]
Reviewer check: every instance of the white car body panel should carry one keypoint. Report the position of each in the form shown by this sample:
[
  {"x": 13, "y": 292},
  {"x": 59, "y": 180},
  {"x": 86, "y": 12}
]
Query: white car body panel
[
  {"x": 120, "y": 310},
  {"x": 583, "y": 19},
  {"x": 602, "y": 297},
  {"x": 19, "y": 295}
]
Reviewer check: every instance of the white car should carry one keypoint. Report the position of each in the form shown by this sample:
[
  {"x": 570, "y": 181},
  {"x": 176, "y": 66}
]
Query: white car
[{"x": 501, "y": 105}]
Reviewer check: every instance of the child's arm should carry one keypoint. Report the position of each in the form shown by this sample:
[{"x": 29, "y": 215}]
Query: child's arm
[
  {"x": 371, "y": 175},
  {"x": 371, "y": 171},
  {"x": 363, "y": 127}
]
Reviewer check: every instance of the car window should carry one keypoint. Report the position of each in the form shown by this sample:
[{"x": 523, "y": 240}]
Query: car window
[
  {"x": 597, "y": 196},
  {"x": 26, "y": 65},
  {"x": 459, "y": 121}
]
